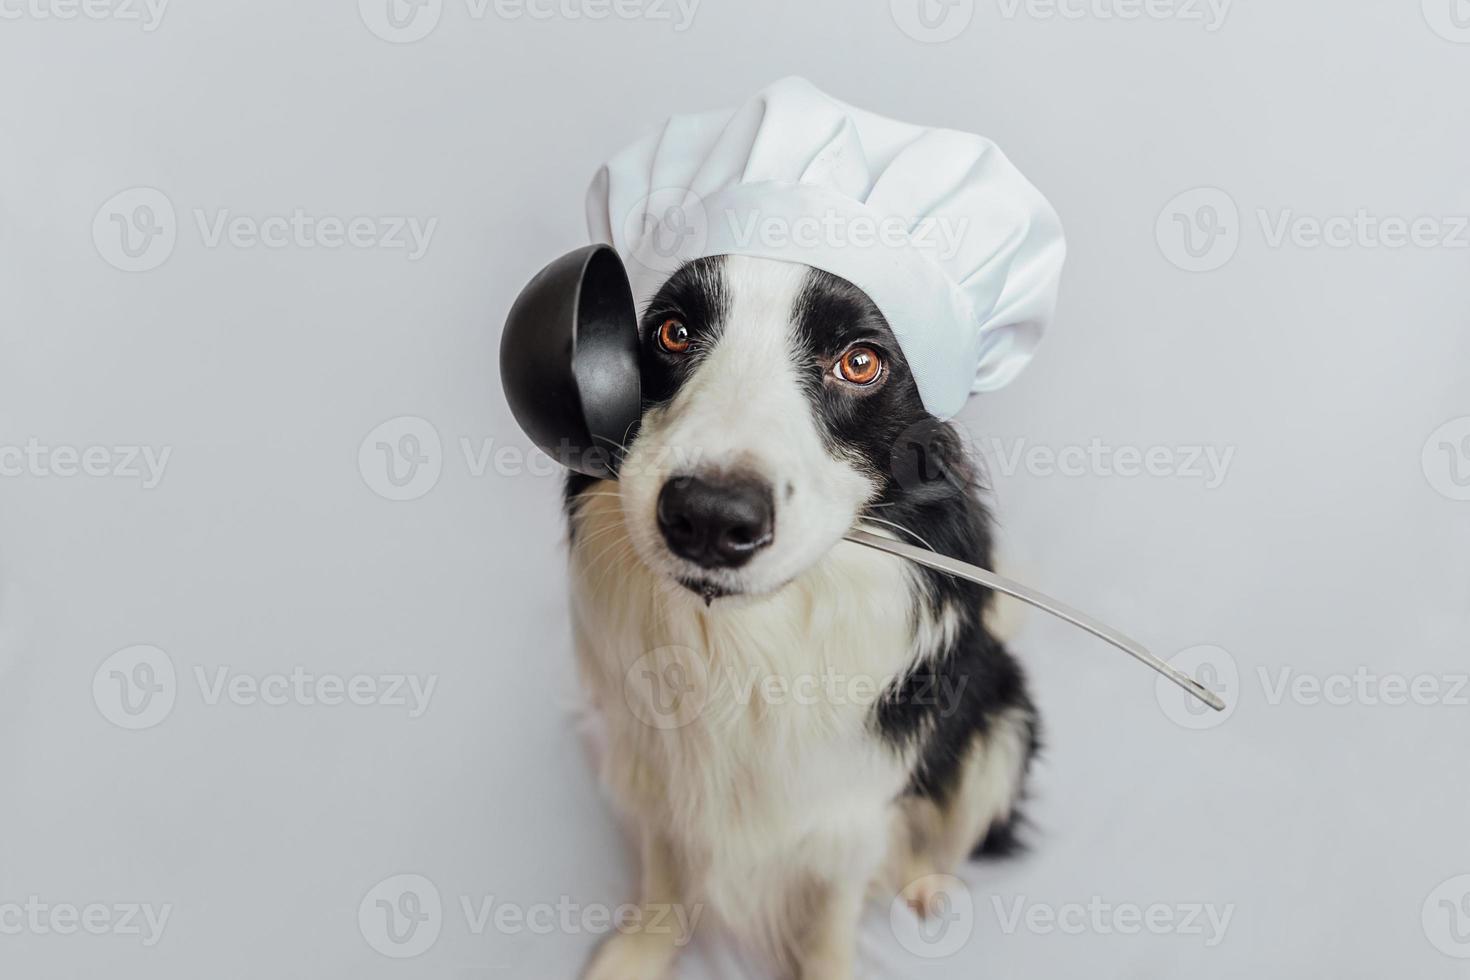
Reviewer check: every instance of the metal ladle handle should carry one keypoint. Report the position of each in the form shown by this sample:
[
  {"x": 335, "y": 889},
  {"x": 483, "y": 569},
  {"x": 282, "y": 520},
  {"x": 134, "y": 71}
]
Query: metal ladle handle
[{"x": 981, "y": 576}]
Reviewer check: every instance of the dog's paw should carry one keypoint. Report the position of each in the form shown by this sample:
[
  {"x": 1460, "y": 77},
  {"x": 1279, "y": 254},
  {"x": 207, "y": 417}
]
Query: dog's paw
[
  {"x": 924, "y": 895},
  {"x": 631, "y": 956}
]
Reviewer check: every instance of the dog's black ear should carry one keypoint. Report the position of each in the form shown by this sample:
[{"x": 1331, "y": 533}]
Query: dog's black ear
[{"x": 569, "y": 361}]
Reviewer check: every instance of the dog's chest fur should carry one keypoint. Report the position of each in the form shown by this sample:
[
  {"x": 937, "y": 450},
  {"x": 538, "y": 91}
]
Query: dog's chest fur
[{"x": 745, "y": 730}]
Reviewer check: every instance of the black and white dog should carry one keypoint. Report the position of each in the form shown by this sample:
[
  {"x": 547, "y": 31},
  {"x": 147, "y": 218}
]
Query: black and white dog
[{"x": 794, "y": 723}]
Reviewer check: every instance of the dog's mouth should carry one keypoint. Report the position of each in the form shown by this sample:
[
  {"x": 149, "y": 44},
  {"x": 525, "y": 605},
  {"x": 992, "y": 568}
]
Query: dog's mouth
[
  {"x": 710, "y": 589},
  {"x": 707, "y": 589}
]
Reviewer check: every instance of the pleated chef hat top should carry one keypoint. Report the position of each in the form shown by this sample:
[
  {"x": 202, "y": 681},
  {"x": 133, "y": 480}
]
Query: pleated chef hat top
[{"x": 959, "y": 252}]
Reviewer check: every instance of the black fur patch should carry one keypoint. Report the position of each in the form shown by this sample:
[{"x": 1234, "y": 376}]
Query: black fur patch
[{"x": 929, "y": 490}]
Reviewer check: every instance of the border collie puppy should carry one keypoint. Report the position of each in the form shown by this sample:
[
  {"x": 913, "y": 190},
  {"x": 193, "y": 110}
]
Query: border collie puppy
[{"x": 794, "y": 723}]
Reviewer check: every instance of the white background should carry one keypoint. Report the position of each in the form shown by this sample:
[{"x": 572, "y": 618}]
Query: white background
[{"x": 1333, "y": 545}]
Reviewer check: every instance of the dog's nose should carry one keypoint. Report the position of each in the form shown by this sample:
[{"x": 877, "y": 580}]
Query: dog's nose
[{"x": 716, "y": 523}]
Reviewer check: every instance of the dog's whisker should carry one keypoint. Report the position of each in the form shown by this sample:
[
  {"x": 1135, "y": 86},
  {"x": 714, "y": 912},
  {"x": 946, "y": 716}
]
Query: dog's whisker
[
  {"x": 607, "y": 562},
  {"x": 599, "y": 533},
  {"x": 899, "y": 527},
  {"x": 611, "y": 565},
  {"x": 599, "y": 537},
  {"x": 614, "y": 444},
  {"x": 608, "y": 549}
]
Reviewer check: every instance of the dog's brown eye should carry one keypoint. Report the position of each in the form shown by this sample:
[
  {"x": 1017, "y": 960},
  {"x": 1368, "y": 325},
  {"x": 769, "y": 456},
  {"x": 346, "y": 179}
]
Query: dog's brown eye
[
  {"x": 673, "y": 336},
  {"x": 860, "y": 366}
]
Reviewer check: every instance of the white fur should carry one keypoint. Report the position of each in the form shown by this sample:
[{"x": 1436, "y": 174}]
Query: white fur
[{"x": 755, "y": 786}]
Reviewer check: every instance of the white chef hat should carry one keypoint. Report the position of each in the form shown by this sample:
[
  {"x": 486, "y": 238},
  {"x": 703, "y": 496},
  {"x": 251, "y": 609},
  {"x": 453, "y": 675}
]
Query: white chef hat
[{"x": 959, "y": 252}]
